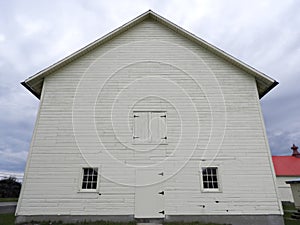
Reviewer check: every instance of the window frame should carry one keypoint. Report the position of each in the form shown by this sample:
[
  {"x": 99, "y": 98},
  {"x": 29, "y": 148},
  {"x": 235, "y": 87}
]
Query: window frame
[
  {"x": 203, "y": 189},
  {"x": 92, "y": 190}
]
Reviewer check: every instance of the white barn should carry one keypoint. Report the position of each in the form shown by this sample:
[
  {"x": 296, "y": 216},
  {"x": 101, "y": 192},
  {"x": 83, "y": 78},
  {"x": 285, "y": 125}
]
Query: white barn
[{"x": 149, "y": 123}]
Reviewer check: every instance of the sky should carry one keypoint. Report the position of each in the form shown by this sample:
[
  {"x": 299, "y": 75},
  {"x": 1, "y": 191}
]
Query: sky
[{"x": 37, "y": 33}]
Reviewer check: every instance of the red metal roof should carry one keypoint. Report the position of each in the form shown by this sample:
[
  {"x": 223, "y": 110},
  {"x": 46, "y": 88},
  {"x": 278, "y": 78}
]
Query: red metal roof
[{"x": 286, "y": 165}]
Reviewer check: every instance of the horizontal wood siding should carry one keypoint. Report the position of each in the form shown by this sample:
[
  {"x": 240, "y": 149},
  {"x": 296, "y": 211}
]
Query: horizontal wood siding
[
  {"x": 86, "y": 120},
  {"x": 284, "y": 189}
]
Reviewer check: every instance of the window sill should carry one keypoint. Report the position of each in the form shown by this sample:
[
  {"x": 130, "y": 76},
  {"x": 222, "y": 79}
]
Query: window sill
[
  {"x": 88, "y": 191},
  {"x": 211, "y": 190}
]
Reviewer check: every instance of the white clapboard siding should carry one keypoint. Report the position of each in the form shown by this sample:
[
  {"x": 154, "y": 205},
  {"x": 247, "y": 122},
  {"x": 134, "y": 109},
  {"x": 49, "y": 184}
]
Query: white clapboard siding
[
  {"x": 284, "y": 189},
  {"x": 74, "y": 130}
]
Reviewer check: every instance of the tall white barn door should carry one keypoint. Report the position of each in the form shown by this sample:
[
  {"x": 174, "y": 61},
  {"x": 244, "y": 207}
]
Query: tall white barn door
[{"x": 149, "y": 198}]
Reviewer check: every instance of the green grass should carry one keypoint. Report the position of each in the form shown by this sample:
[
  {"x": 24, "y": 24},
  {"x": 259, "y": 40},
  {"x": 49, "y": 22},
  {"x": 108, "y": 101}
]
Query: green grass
[
  {"x": 288, "y": 206},
  {"x": 291, "y": 222},
  {"x": 84, "y": 223},
  {"x": 8, "y": 199},
  {"x": 7, "y": 219},
  {"x": 288, "y": 211}
]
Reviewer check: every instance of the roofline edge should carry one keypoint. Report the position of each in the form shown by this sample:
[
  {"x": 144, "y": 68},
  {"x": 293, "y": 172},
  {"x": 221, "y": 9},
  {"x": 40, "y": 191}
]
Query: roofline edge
[
  {"x": 149, "y": 13},
  {"x": 275, "y": 83},
  {"x": 28, "y": 87}
]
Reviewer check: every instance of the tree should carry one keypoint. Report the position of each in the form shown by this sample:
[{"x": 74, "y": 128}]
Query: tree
[{"x": 10, "y": 188}]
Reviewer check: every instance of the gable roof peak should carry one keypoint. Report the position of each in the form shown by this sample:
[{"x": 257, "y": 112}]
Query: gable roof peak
[{"x": 35, "y": 82}]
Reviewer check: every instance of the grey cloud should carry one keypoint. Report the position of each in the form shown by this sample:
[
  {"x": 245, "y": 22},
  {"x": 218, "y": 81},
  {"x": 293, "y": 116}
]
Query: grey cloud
[
  {"x": 281, "y": 141},
  {"x": 268, "y": 40}
]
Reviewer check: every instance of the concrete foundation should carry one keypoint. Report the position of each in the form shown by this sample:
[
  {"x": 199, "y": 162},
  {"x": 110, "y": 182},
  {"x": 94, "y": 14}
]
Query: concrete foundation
[
  {"x": 73, "y": 218},
  {"x": 222, "y": 219}
]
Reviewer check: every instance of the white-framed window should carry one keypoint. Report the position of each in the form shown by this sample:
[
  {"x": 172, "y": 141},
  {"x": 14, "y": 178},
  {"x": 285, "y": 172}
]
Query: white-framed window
[
  {"x": 210, "y": 179},
  {"x": 89, "y": 180},
  {"x": 149, "y": 127}
]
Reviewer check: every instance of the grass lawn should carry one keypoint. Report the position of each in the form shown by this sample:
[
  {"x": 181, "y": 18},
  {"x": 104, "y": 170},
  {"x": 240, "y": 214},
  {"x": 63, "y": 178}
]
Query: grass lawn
[
  {"x": 7, "y": 219},
  {"x": 288, "y": 208},
  {"x": 8, "y": 199}
]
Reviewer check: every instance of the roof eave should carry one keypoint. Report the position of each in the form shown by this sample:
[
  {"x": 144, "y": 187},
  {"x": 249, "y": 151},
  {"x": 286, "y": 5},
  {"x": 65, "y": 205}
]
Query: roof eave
[
  {"x": 274, "y": 84},
  {"x": 28, "y": 87},
  {"x": 296, "y": 181}
]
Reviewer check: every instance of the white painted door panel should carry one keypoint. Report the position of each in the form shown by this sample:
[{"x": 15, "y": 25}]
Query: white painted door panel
[
  {"x": 149, "y": 195},
  {"x": 157, "y": 127},
  {"x": 141, "y": 130}
]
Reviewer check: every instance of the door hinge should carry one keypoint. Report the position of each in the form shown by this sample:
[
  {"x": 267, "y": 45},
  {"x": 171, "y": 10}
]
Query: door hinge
[{"x": 162, "y": 212}]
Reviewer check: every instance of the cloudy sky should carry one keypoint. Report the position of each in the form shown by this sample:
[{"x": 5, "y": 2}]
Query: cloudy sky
[{"x": 34, "y": 34}]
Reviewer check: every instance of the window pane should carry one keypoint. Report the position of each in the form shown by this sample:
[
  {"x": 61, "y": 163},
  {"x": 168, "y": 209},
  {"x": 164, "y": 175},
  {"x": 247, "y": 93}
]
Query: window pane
[
  {"x": 85, "y": 171},
  {"x": 89, "y": 179},
  {"x": 210, "y": 178},
  {"x": 89, "y": 186},
  {"x": 215, "y": 184}
]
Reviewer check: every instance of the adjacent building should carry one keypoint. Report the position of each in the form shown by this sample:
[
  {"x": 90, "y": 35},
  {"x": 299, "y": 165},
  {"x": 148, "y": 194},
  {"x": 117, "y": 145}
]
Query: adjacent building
[{"x": 286, "y": 168}]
